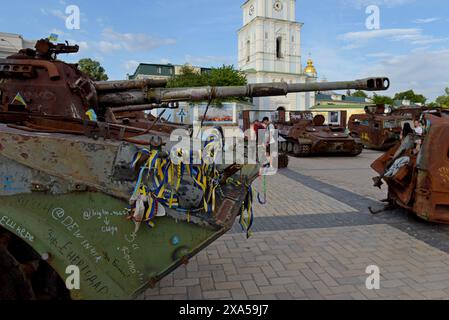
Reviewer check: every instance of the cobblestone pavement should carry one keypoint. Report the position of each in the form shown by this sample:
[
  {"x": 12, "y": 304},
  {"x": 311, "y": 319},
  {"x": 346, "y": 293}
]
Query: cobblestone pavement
[
  {"x": 353, "y": 174},
  {"x": 315, "y": 239},
  {"x": 297, "y": 199}
]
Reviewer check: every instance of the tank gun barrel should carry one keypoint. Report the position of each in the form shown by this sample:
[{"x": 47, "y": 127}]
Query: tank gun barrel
[
  {"x": 46, "y": 49},
  {"x": 146, "y": 107},
  {"x": 166, "y": 95},
  {"x": 123, "y": 85}
]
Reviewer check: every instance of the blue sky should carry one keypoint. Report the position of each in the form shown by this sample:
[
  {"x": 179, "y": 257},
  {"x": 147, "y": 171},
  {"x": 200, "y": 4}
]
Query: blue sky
[{"x": 412, "y": 46}]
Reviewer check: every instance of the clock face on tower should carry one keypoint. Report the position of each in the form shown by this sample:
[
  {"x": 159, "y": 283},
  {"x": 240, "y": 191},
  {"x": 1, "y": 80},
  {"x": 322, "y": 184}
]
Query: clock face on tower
[
  {"x": 251, "y": 10},
  {"x": 278, "y": 5}
]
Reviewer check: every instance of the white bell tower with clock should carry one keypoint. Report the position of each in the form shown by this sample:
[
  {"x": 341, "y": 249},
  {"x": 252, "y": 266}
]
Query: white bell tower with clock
[{"x": 270, "y": 50}]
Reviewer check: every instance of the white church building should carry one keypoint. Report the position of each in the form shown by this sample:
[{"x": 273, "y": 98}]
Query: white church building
[{"x": 269, "y": 50}]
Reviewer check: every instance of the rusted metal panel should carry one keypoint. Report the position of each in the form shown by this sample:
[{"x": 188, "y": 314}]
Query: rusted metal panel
[
  {"x": 84, "y": 160},
  {"x": 378, "y": 130},
  {"x": 422, "y": 186}
]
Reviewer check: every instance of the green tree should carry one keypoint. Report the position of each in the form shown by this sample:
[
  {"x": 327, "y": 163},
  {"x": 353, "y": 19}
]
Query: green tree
[
  {"x": 377, "y": 99},
  {"x": 188, "y": 77},
  {"x": 359, "y": 94},
  {"x": 443, "y": 100},
  {"x": 433, "y": 105},
  {"x": 411, "y": 96},
  {"x": 93, "y": 69},
  {"x": 226, "y": 76},
  {"x": 223, "y": 76}
]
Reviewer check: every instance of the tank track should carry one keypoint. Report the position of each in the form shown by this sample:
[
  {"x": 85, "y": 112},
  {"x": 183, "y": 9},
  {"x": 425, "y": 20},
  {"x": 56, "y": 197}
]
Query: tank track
[
  {"x": 24, "y": 275},
  {"x": 294, "y": 149}
]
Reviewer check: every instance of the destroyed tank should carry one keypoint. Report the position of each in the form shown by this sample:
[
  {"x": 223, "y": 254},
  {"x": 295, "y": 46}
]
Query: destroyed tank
[
  {"x": 308, "y": 135},
  {"x": 417, "y": 173},
  {"x": 380, "y": 130},
  {"x": 121, "y": 205}
]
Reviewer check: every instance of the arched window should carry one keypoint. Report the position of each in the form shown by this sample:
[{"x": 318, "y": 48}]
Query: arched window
[
  {"x": 248, "y": 51},
  {"x": 279, "y": 47}
]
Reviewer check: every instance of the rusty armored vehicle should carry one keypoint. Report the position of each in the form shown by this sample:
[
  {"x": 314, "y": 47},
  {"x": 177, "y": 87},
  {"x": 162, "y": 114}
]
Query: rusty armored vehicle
[
  {"x": 307, "y": 134},
  {"x": 378, "y": 129},
  {"x": 417, "y": 172},
  {"x": 84, "y": 186}
]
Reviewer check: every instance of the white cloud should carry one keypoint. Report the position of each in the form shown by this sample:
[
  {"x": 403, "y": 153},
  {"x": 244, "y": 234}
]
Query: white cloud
[
  {"x": 359, "y": 4},
  {"x": 424, "y": 21},
  {"x": 422, "y": 70},
  {"x": 379, "y": 55},
  {"x": 414, "y": 36},
  {"x": 206, "y": 61},
  {"x": 429, "y": 40},
  {"x": 59, "y": 32},
  {"x": 108, "y": 47},
  {"x": 131, "y": 65},
  {"x": 58, "y": 14},
  {"x": 84, "y": 46},
  {"x": 132, "y": 42},
  {"x": 376, "y": 34}
]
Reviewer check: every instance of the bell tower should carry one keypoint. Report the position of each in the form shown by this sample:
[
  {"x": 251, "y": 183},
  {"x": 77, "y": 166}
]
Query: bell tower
[
  {"x": 270, "y": 50},
  {"x": 270, "y": 38}
]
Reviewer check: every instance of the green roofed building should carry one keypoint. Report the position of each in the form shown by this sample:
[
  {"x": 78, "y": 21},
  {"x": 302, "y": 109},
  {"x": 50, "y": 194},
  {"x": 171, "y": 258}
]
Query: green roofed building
[
  {"x": 161, "y": 71},
  {"x": 331, "y": 106}
]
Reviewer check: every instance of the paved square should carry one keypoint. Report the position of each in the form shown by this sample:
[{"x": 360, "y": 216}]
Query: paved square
[
  {"x": 314, "y": 240},
  {"x": 287, "y": 197},
  {"x": 312, "y": 264}
]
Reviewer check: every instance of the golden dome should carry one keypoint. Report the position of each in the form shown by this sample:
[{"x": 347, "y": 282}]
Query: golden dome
[{"x": 310, "y": 69}]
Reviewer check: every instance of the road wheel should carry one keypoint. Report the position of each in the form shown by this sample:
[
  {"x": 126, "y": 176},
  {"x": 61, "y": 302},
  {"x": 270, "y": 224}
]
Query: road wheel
[
  {"x": 301, "y": 150},
  {"x": 24, "y": 275},
  {"x": 358, "y": 150},
  {"x": 283, "y": 146},
  {"x": 289, "y": 147}
]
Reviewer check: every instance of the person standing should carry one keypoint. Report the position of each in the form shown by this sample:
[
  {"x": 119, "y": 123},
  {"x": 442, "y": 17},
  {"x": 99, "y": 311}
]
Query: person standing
[
  {"x": 419, "y": 131},
  {"x": 407, "y": 129},
  {"x": 269, "y": 139},
  {"x": 418, "y": 128},
  {"x": 257, "y": 126}
]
